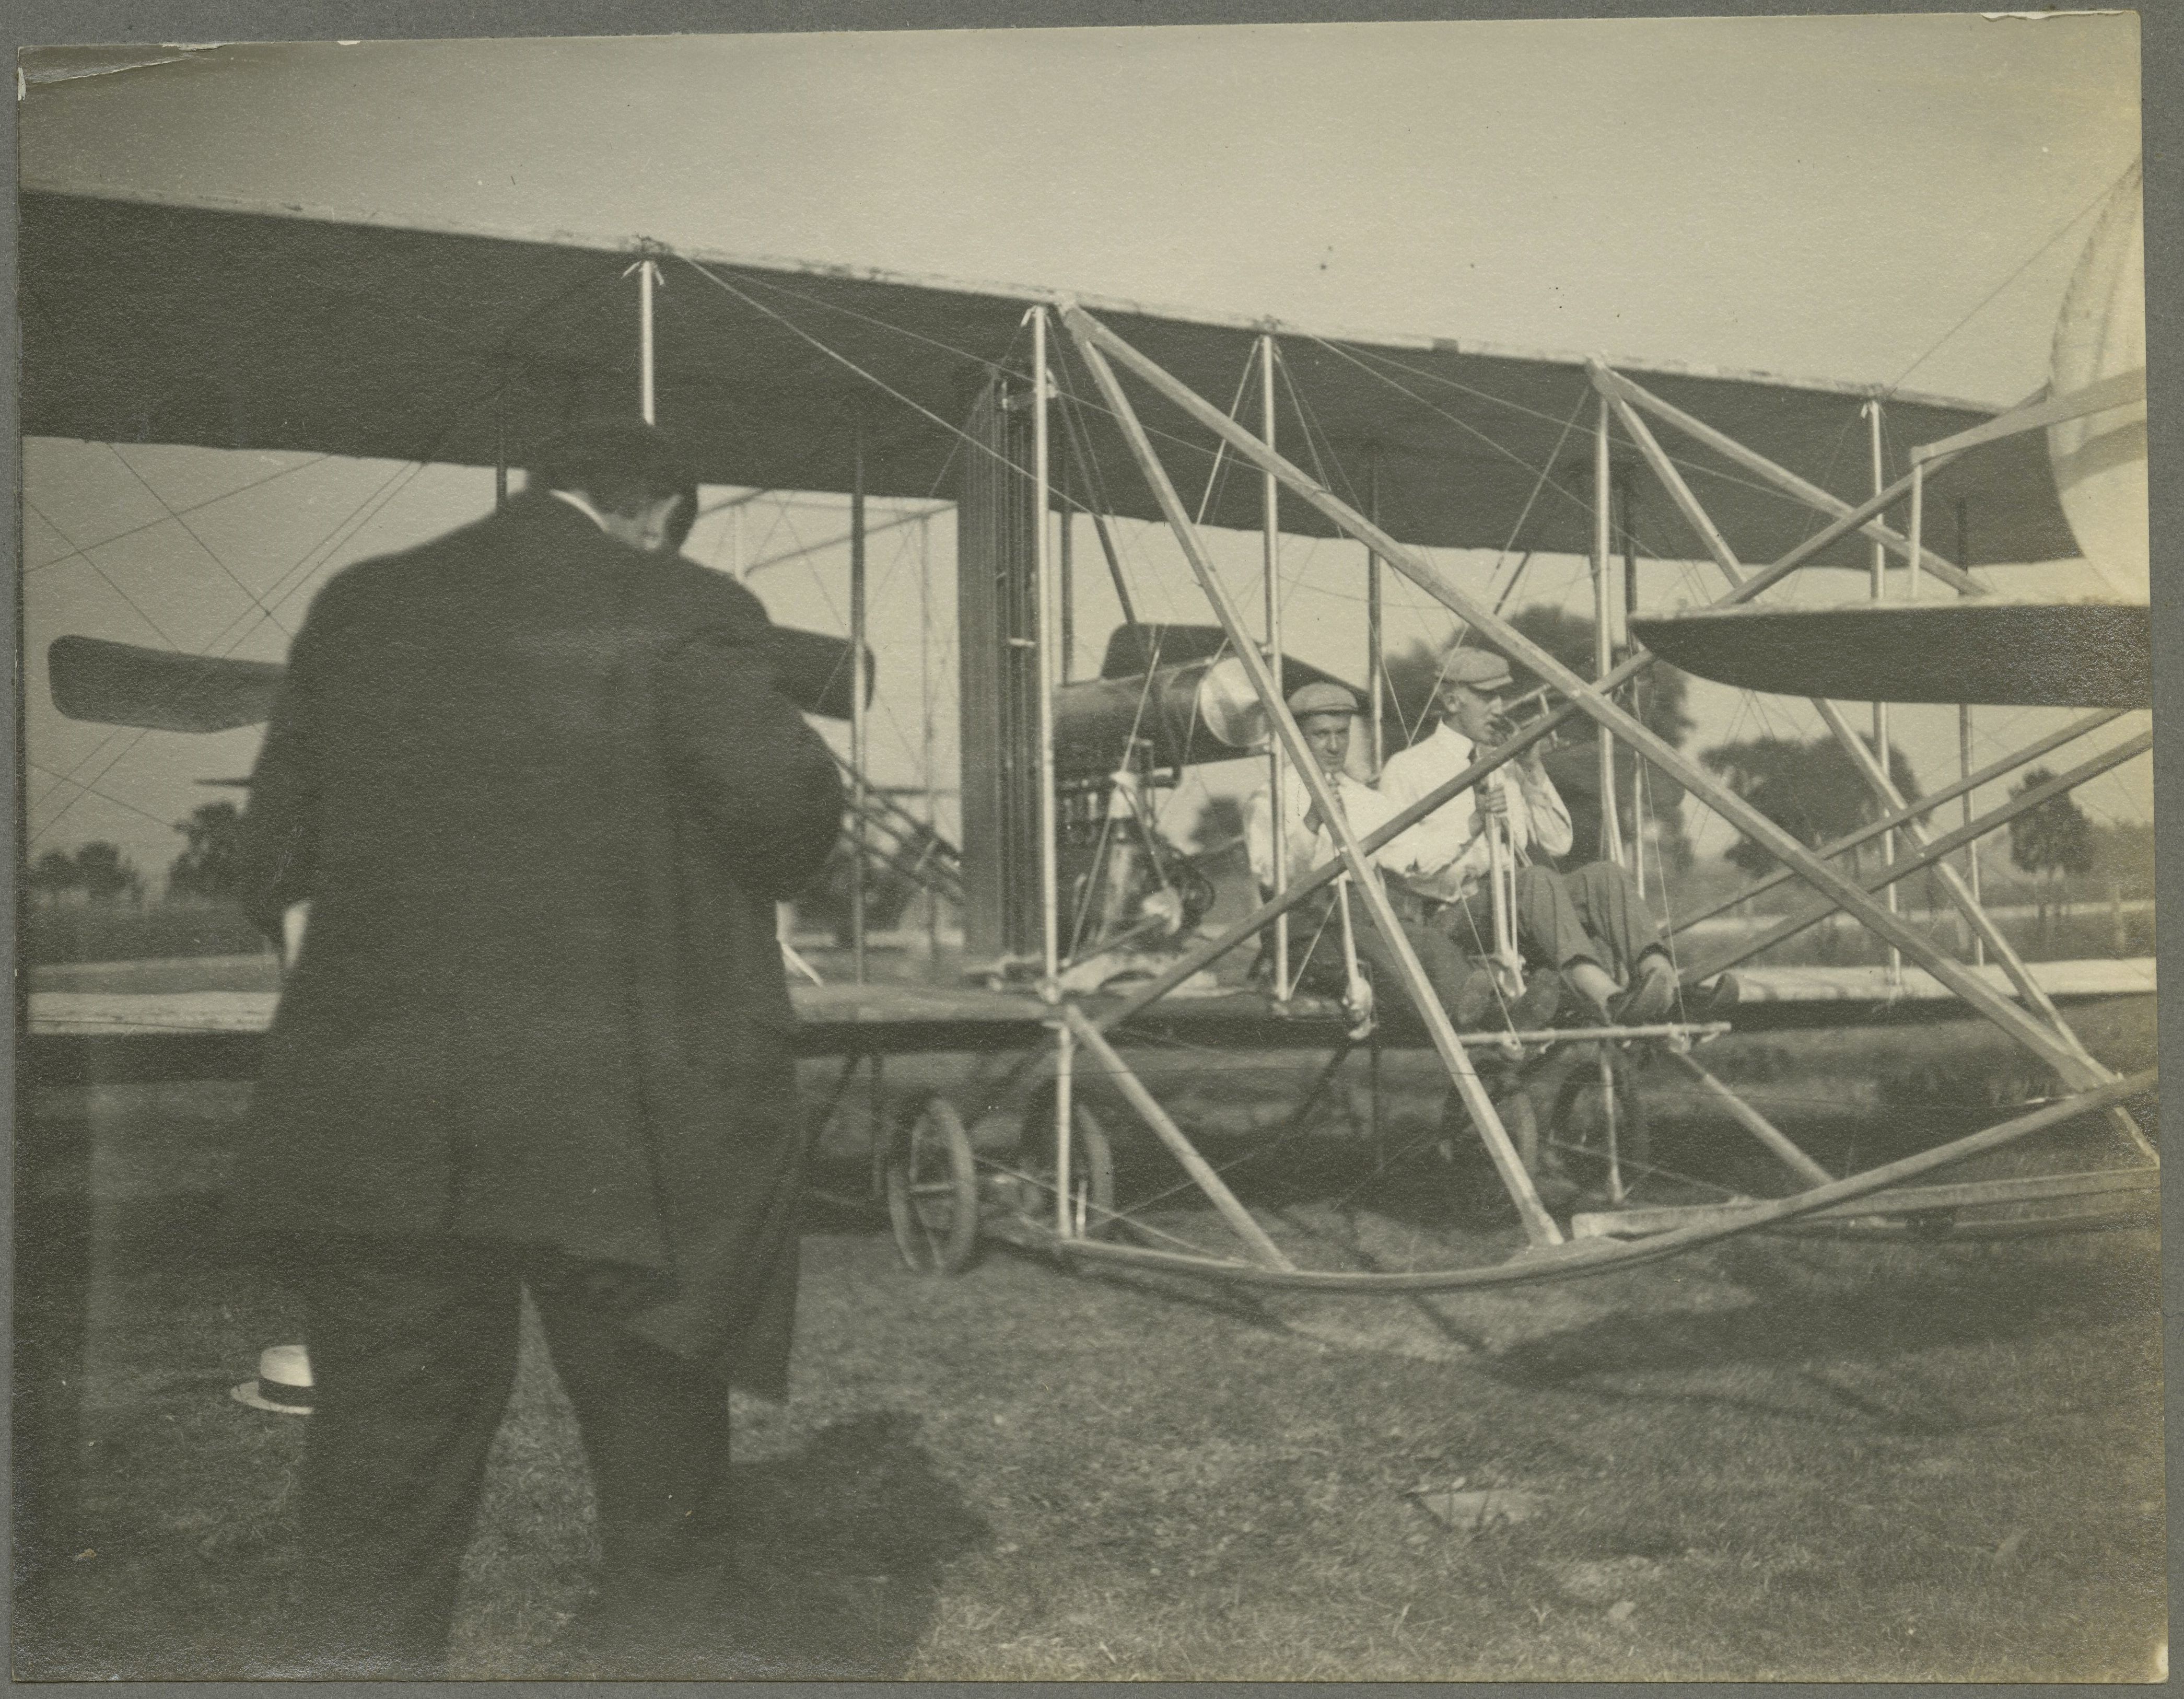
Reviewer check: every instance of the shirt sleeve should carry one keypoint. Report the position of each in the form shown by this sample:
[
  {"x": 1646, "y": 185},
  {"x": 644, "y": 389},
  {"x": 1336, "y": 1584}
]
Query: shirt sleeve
[
  {"x": 1259, "y": 838},
  {"x": 1551, "y": 831}
]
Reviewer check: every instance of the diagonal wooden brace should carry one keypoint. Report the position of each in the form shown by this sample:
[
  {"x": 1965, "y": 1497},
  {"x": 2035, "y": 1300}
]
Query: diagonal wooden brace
[
  {"x": 1927, "y": 854},
  {"x": 1539, "y": 1226},
  {"x": 1613, "y": 383},
  {"x": 1751, "y": 1121},
  {"x": 1924, "y": 806},
  {"x": 1148, "y": 1106},
  {"x": 2034, "y": 1035},
  {"x": 1862, "y": 756},
  {"x": 1633, "y": 666}
]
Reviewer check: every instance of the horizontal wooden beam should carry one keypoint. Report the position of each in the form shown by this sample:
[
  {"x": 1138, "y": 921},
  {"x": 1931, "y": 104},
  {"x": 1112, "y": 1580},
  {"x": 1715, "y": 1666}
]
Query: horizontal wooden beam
[
  {"x": 1578, "y": 1258},
  {"x": 1632, "y": 1224}
]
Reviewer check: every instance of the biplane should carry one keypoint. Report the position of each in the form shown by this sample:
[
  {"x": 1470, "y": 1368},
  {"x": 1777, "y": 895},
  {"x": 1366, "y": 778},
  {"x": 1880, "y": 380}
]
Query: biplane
[{"x": 343, "y": 332}]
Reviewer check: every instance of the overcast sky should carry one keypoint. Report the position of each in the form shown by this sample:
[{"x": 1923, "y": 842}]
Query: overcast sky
[{"x": 1874, "y": 200}]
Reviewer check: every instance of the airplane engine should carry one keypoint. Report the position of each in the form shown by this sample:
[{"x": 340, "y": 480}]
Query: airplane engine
[{"x": 1202, "y": 710}]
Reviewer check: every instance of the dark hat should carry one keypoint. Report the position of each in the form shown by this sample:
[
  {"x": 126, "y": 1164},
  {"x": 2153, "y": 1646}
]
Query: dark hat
[
  {"x": 616, "y": 462},
  {"x": 1480, "y": 668},
  {"x": 1323, "y": 696}
]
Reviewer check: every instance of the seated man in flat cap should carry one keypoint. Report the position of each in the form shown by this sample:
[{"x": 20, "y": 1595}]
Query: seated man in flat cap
[
  {"x": 1323, "y": 713},
  {"x": 1591, "y": 924}
]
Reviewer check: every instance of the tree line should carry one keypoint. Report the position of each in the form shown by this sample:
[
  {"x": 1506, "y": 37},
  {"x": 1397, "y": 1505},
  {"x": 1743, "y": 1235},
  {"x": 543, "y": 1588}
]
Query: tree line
[
  {"x": 206, "y": 870},
  {"x": 1811, "y": 787}
]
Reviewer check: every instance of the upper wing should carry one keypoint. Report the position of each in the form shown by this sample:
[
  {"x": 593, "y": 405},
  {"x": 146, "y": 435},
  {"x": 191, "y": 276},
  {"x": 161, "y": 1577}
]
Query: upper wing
[{"x": 269, "y": 327}]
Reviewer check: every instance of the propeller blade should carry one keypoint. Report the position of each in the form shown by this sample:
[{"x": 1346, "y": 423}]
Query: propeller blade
[{"x": 164, "y": 690}]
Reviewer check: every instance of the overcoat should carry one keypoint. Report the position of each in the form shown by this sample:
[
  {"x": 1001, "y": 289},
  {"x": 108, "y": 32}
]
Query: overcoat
[{"x": 543, "y": 796}]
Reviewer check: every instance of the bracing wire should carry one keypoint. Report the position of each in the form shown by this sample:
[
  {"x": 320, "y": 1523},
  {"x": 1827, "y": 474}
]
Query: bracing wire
[
  {"x": 195, "y": 536},
  {"x": 1896, "y": 382},
  {"x": 131, "y": 737},
  {"x": 135, "y": 606},
  {"x": 85, "y": 550},
  {"x": 1539, "y": 483},
  {"x": 1221, "y": 449}
]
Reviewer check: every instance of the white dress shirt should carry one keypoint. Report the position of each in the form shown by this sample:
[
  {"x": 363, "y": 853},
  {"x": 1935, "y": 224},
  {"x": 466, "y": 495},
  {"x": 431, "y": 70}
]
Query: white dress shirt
[
  {"x": 1445, "y": 854},
  {"x": 1363, "y": 806}
]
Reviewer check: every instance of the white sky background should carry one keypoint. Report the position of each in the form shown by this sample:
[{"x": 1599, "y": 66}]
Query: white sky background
[{"x": 1827, "y": 198}]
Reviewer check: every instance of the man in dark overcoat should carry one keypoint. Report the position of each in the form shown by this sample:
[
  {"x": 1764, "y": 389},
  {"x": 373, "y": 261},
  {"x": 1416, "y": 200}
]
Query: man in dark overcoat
[{"x": 542, "y": 797}]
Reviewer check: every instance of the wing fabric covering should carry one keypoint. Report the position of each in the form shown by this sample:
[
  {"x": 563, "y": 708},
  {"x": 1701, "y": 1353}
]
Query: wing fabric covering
[{"x": 261, "y": 330}]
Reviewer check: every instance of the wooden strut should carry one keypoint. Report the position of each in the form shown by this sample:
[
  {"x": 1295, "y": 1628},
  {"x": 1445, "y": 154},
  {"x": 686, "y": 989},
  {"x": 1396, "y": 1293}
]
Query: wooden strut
[
  {"x": 1633, "y": 666},
  {"x": 1209, "y": 1181},
  {"x": 859, "y": 785},
  {"x": 1753, "y": 1122},
  {"x": 1905, "y": 1200},
  {"x": 1931, "y": 853},
  {"x": 1872, "y": 764},
  {"x": 1610, "y": 846},
  {"x": 1591, "y": 699},
  {"x": 1270, "y": 567},
  {"x": 1575, "y": 1259},
  {"x": 1868, "y": 765},
  {"x": 1877, "y": 570},
  {"x": 1925, "y": 804},
  {"x": 1049, "y": 919},
  {"x": 1539, "y": 1226},
  {"x": 1376, "y": 659}
]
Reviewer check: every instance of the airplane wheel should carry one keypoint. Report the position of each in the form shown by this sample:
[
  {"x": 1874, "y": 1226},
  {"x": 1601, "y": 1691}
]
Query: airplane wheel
[
  {"x": 1578, "y": 1134},
  {"x": 932, "y": 1185},
  {"x": 1091, "y": 1166}
]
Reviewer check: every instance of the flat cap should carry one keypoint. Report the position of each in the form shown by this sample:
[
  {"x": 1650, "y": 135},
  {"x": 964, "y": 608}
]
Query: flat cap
[
  {"x": 1480, "y": 668},
  {"x": 1323, "y": 697}
]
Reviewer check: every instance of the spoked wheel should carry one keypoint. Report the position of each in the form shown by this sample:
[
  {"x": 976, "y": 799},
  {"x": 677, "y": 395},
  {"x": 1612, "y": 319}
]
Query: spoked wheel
[
  {"x": 1091, "y": 1169},
  {"x": 932, "y": 1185},
  {"x": 1598, "y": 1133}
]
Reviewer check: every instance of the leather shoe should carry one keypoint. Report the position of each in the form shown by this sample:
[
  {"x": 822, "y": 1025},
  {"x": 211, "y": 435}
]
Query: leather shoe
[
  {"x": 1475, "y": 1001},
  {"x": 1652, "y": 1000},
  {"x": 1542, "y": 1001}
]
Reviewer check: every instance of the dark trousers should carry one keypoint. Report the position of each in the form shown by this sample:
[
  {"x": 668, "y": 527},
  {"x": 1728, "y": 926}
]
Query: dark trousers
[
  {"x": 1594, "y": 913},
  {"x": 413, "y": 1347},
  {"x": 1613, "y": 913},
  {"x": 1316, "y": 950}
]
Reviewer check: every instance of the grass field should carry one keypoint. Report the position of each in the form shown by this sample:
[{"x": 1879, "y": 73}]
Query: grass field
[{"x": 1779, "y": 1459}]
